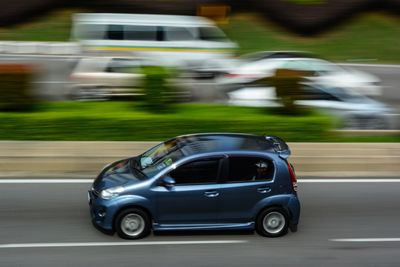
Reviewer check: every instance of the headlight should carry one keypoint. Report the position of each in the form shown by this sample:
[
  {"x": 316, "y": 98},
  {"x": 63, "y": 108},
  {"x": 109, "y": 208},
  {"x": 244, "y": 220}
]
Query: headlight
[{"x": 111, "y": 192}]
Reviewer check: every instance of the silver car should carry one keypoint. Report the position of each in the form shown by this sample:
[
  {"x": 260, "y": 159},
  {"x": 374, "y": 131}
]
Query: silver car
[
  {"x": 105, "y": 77},
  {"x": 354, "y": 110},
  {"x": 255, "y": 67}
]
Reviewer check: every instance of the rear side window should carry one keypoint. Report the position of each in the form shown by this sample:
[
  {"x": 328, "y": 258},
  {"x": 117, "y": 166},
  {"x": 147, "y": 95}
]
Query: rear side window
[
  {"x": 140, "y": 33},
  {"x": 197, "y": 172},
  {"x": 245, "y": 169},
  {"x": 178, "y": 34}
]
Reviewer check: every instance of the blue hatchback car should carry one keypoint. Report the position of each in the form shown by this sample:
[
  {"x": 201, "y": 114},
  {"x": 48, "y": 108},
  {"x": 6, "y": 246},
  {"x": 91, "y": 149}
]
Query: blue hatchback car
[{"x": 210, "y": 181}]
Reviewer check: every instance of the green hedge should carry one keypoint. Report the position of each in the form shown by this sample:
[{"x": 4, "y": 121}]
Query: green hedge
[
  {"x": 119, "y": 121},
  {"x": 157, "y": 91}
]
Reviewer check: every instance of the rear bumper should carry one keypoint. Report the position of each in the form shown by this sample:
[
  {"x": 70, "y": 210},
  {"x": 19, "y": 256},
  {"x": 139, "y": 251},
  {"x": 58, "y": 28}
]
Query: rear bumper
[{"x": 294, "y": 211}]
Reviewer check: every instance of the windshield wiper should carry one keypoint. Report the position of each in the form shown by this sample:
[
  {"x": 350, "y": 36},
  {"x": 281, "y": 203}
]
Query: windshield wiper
[{"x": 135, "y": 166}]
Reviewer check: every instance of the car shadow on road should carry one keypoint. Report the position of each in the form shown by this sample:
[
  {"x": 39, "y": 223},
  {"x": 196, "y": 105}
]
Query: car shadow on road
[{"x": 204, "y": 233}]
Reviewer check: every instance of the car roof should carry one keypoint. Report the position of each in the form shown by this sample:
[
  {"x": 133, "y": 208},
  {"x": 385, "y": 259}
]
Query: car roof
[
  {"x": 278, "y": 54},
  {"x": 194, "y": 144},
  {"x": 145, "y": 19}
]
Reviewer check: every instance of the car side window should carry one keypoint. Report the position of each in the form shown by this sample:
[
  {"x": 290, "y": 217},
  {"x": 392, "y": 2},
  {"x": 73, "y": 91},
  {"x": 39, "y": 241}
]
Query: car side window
[
  {"x": 197, "y": 172},
  {"x": 309, "y": 93},
  {"x": 115, "y": 32},
  {"x": 140, "y": 33},
  {"x": 120, "y": 65},
  {"x": 245, "y": 169},
  {"x": 178, "y": 34}
]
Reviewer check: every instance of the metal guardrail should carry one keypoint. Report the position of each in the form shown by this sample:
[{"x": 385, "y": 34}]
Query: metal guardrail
[
  {"x": 43, "y": 48},
  {"x": 368, "y": 132},
  {"x": 309, "y": 159}
]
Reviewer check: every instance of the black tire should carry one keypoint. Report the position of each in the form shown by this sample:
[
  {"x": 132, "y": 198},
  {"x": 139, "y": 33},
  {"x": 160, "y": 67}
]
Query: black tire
[
  {"x": 133, "y": 223},
  {"x": 272, "y": 222}
]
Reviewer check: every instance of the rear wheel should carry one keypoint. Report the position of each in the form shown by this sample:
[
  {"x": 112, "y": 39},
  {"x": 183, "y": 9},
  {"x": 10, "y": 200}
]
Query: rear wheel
[
  {"x": 133, "y": 224},
  {"x": 272, "y": 222}
]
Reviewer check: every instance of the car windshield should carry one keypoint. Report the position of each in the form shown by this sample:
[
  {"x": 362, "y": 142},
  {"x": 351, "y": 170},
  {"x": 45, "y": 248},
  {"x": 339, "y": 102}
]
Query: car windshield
[
  {"x": 211, "y": 34},
  {"x": 159, "y": 157}
]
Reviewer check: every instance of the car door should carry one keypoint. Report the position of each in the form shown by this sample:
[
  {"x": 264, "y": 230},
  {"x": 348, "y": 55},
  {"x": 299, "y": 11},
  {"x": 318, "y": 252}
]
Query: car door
[
  {"x": 194, "y": 197},
  {"x": 248, "y": 180}
]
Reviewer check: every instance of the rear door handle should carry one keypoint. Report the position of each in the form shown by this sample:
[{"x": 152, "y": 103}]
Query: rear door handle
[
  {"x": 211, "y": 193},
  {"x": 264, "y": 189}
]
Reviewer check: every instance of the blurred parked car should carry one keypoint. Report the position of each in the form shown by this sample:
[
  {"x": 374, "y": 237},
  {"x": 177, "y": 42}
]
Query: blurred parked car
[
  {"x": 105, "y": 77},
  {"x": 173, "y": 40},
  {"x": 276, "y": 54},
  {"x": 355, "y": 111},
  {"x": 263, "y": 64},
  {"x": 213, "y": 68}
]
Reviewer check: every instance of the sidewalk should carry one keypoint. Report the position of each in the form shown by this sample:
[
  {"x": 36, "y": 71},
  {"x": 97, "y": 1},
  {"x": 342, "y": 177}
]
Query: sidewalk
[{"x": 44, "y": 159}]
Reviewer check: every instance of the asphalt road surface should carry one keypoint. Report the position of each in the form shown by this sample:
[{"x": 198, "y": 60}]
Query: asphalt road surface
[{"x": 342, "y": 224}]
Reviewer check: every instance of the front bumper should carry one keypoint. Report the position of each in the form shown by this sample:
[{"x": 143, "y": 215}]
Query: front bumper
[{"x": 101, "y": 211}]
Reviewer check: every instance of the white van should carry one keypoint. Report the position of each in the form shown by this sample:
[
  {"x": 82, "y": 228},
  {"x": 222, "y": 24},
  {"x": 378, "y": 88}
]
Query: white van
[{"x": 174, "y": 40}]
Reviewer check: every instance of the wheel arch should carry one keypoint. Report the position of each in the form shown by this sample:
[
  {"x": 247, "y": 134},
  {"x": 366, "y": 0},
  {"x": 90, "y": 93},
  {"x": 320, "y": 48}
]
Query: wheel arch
[{"x": 279, "y": 201}]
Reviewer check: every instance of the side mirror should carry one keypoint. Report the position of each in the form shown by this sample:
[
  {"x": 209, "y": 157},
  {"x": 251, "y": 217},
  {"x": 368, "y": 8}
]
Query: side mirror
[{"x": 168, "y": 181}]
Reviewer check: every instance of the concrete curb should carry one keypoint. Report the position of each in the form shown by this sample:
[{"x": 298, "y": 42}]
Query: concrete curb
[{"x": 85, "y": 159}]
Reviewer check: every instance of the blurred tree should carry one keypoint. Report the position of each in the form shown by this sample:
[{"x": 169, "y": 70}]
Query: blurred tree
[
  {"x": 288, "y": 84},
  {"x": 16, "y": 87},
  {"x": 158, "y": 94}
]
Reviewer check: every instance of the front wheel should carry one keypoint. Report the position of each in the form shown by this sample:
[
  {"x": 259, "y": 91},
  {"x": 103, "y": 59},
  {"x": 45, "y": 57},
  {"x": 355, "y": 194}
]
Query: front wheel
[
  {"x": 272, "y": 222},
  {"x": 133, "y": 224}
]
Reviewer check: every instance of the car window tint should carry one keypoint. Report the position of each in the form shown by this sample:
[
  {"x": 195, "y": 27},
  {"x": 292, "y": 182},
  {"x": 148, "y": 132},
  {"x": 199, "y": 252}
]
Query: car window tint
[
  {"x": 311, "y": 93},
  {"x": 115, "y": 32},
  {"x": 243, "y": 169},
  {"x": 197, "y": 172},
  {"x": 123, "y": 65},
  {"x": 178, "y": 34},
  {"x": 140, "y": 33}
]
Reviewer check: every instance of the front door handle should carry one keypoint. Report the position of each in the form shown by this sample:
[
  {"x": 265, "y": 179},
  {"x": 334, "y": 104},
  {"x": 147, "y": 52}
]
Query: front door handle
[
  {"x": 264, "y": 189},
  {"x": 211, "y": 193}
]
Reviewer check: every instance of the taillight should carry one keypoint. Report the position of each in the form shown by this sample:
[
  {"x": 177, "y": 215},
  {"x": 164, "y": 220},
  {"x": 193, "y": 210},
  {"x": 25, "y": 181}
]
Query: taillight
[{"x": 293, "y": 178}]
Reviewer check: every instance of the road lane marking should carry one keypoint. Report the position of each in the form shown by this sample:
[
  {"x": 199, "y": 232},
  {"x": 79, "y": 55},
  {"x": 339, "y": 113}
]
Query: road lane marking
[
  {"x": 365, "y": 240},
  {"x": 344, "y": 180},
  {"x": 106, "y": 244},
  {"x": 45, "y": 181},
  {"x": 350, "y": 157},
  {"x": 85, "y": 181}
]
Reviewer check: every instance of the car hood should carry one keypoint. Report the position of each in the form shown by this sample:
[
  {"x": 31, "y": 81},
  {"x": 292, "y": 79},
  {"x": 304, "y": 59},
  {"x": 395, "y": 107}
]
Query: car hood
[{"x": 118, "y": 173}]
